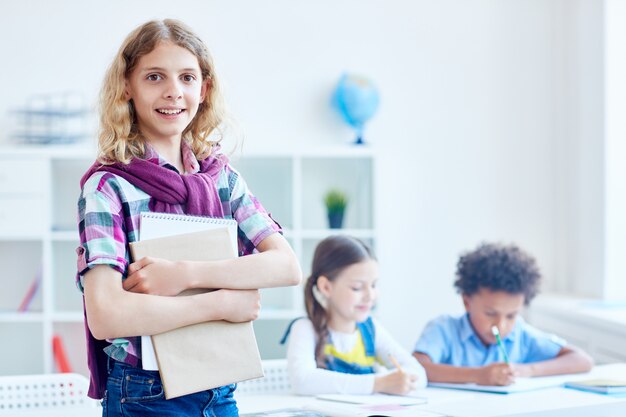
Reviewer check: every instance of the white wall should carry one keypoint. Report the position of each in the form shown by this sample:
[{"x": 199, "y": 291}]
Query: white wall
[
  {"x": 615, "y": 150},
  {"x": 469, "y": 133},
  {"x": 579, "y": 146}
]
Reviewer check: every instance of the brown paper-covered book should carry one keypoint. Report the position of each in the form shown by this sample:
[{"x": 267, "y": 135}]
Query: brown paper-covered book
[{"x": 204, "y": 355}]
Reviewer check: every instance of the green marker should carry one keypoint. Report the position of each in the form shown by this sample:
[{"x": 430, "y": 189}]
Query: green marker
[{"x": 496, "y": 333}]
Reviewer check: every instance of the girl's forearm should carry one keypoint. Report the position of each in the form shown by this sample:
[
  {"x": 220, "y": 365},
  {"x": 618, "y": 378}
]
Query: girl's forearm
[
  {"x": 113, "y": 312},
  {"x": 263, "y": 270},
  {"x": 276, "y": 266}
]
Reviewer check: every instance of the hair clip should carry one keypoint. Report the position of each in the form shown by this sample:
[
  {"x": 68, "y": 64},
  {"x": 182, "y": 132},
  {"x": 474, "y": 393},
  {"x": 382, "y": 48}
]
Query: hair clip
[{"x": 319, "y": 297}]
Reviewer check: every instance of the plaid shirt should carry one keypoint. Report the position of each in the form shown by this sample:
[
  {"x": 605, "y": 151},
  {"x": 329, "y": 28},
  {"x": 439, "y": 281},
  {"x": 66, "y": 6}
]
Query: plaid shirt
[{"x": 109, "y": 209}]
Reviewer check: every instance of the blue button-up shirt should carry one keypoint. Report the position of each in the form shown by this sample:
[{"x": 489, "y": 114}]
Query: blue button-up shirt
[{"x": 452, "y": 341}]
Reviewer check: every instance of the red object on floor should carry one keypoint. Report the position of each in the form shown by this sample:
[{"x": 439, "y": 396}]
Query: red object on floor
[{"x": 60, "y": 355}]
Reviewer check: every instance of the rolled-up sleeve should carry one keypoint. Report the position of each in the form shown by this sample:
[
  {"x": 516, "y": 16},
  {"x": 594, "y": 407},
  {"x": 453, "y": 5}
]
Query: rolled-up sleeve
[{"x": 101, "y": 229}]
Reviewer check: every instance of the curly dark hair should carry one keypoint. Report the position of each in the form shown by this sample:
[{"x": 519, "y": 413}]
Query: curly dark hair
[{"x": 498, "y": 267}]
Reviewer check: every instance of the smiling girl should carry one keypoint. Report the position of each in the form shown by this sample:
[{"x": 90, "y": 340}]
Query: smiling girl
[{"x": 160, "y": 103}]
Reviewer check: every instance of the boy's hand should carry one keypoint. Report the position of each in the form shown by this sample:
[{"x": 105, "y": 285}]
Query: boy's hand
[
  {"x": 154, "y": 276},
  {"x": 397, "y": 382},
  {"x": 522, "y": 370},
  {"x": 496, "y": 374}
]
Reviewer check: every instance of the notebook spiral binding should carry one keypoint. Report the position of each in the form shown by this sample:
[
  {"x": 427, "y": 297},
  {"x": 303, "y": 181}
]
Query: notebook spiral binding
[{"x": 187, "y": 218}]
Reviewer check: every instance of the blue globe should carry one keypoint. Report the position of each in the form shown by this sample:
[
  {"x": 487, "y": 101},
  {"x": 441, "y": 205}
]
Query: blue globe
[{"x": 356, "y": 99}]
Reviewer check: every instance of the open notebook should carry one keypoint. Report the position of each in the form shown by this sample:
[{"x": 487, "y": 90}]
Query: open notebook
[
  {"x": 520, "y": 384},
  {"x": 158, "y": 225},
  {"x": 373, "y": 399},
  {"x": 205, "y": 355}
]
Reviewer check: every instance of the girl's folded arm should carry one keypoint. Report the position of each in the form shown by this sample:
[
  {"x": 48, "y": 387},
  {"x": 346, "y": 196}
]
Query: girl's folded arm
[
  {"x": 274, "y": 265},
  {"x": 113, "y": 312}
]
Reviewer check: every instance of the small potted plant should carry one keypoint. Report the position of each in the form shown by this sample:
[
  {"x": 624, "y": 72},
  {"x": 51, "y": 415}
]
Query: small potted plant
[{"x": 335, "y": 201}]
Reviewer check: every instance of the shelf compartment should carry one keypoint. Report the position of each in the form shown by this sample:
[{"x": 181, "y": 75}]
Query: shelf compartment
[
  {"x": 270, "y": 180},
  {"x": 21, "y": 350},
  {"x": 73, "y": 339},
  {"x": 66, "y": 174},
  {"x": 24, "y": 175},
  {"x": 22, "y": 215},
  {"x": 17, "y": 277},
  {"x": 66, "y": 295},
  {"x": 350, "y": 175}
]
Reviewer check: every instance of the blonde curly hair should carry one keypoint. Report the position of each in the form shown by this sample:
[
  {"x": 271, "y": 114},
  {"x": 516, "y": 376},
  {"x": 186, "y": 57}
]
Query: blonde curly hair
[{"x": 119, "y": 138}]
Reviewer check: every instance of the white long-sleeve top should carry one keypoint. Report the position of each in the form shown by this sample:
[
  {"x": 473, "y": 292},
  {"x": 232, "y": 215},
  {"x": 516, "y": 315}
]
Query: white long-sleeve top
[{"x": 307, "y": 379}]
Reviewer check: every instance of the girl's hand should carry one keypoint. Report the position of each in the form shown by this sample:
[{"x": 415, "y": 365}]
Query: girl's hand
[
  {"x": 154, "y": 276},
  {"x": 496, "y": 374},
  {"x": 239, "y": 305},
  {"x": 397, "y": 382}
]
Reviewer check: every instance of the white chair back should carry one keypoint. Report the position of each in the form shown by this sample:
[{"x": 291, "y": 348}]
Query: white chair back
[
  {"x": 33, "y": 392},
  {"x": 275, "y": 381}
]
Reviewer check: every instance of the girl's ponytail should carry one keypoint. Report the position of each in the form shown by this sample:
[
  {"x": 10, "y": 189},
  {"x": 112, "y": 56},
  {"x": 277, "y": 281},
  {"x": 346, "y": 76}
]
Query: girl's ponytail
[{"x": 317, "y": 314}]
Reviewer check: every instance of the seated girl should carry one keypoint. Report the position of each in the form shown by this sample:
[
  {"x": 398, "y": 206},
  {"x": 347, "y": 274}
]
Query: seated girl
[{"x": 339, "y": 347}]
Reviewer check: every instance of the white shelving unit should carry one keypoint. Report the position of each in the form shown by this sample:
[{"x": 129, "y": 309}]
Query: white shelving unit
[{"x": 38, "y": 194}]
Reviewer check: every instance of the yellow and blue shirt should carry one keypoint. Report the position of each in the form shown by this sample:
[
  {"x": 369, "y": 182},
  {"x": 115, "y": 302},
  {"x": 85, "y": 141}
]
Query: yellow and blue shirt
[{"x": 359, "y": 360}]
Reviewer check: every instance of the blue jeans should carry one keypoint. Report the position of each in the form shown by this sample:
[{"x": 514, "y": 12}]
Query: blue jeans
[{"x": 134, "y": 392}]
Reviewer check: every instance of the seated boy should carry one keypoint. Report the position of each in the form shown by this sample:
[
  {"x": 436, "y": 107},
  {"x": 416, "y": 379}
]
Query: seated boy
[{"x": 495, "y": 282}]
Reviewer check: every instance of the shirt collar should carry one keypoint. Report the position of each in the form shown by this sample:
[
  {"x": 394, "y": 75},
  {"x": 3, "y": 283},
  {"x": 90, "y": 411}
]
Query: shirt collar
[
  {"x": 519, "y": 322},
  {"x": 467, "y": 331},
  {"x": 189, "y": 159}
]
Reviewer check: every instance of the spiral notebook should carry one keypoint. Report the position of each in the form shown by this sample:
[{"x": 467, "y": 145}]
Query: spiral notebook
[
  {"x": 154, "y": 225},
  {"x": 520, "y": 384},
  {"x": 205, "y": 355}
]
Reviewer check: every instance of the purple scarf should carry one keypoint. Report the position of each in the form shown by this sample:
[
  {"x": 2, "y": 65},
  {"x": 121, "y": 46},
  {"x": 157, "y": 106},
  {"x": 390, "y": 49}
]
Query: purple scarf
[
  {"x": 166, "y": 187},
  {"x": 196, "y": 192}
]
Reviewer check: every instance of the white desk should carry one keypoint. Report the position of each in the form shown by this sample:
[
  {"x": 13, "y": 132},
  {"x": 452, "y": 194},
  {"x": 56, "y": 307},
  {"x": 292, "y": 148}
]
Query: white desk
[
  {"x": 458, "y": 403},
  {"x": 557, "y": 402},
  {"x": 604, "y": 410}
]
